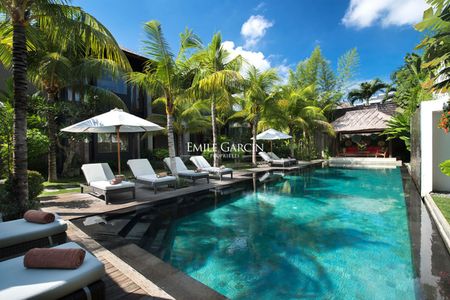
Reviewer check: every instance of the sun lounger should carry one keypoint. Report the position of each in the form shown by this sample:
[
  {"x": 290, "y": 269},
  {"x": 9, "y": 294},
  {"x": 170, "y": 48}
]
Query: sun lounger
[
  {"x": 18, "y": 282},
  {"x": 19, "y": 236},
  {"x": 144, "y": 173},
  {"x": 202, "y": 164},
  {"x": 272, "y": 155},
  {"x": 273, "y": 162},
  {"x": 183, "y": 172},
  {"x": 98, "y": 177}
]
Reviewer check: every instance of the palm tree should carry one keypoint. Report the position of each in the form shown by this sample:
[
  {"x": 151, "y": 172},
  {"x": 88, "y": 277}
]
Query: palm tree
[
  {"x": 188, "y": 118},
  {"x": 164, "y": 75},
  {"x": 259, "y": 98},
  {"x": 52, "y": 71},
  {"x": 299, "y": 113},
  {"x": 217, "y": 78},
  {"x": 436, "y": 46},
  {"x": 366, "y": 90},
  {"x": 60, "y": 21}
]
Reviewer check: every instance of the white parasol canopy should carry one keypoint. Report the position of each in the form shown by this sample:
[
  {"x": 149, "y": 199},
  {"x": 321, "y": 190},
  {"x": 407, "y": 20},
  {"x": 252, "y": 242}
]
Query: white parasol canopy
[
  {"x": 114, "y": 121},
  {"x": 272, "y": 134},
  {"x": 108, "y": 122}
]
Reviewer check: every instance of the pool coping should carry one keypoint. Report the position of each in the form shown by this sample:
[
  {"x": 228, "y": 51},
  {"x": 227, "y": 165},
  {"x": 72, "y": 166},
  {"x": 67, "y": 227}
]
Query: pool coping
[
  {"x": 430, "y": 256},
  {"x": 439, "y": 219}
]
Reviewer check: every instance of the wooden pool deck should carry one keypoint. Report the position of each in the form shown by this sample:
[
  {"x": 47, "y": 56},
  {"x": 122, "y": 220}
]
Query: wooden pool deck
[{"x": 78, "y": 205}]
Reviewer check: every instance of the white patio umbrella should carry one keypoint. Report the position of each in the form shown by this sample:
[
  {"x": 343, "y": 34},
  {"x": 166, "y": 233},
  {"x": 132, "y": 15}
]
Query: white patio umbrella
[
  {"x": 272, "y": 135},
  {"x": 114, "y": 121}
]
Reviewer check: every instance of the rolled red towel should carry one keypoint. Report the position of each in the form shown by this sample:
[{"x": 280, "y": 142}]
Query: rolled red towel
[
  {"x": 37, "y": 216},
  {"x": 54, "y": 258},
  {"x": 116, "y": 181}
]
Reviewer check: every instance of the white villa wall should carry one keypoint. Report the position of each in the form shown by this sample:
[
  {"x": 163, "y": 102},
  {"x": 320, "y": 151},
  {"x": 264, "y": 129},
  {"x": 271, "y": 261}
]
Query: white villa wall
[
  {"x": 435, "y": 147},
  {"x": 441, "y": 152}
]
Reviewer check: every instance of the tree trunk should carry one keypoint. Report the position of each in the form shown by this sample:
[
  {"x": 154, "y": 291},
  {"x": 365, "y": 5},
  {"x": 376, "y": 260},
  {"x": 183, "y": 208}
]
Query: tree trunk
[
  {"x": 292, "y": 143},
  {"x": 20, "y": 177},
  {"x": 180, "y": 143},
  {"x": 171, "y": 142},
  {"x": 52, "y": 132},
  {"x": 254, "y": 132},
  {"x": 69, "y": 154},
  {"x": 214, "y": 134}
]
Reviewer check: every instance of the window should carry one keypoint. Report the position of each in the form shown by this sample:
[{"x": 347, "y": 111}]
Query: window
[
  {"x": 107, "y": 142},
  {"x": 117, "y": 86}
]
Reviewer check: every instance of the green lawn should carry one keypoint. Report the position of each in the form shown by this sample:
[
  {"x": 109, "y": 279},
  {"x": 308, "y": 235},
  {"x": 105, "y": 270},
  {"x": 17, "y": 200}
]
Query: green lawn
[
  {"x": 63, "y": 186},
  {"x": 444, "y": 205}
]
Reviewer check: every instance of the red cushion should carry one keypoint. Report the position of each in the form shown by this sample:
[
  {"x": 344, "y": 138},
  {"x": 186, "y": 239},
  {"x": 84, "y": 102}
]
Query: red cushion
[
  {"x": 373, "y": 149},
  {"x": 351, "y": 149}
]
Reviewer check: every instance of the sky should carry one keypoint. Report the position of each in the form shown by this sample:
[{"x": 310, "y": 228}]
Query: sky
[{"x": 277, "y": 33}]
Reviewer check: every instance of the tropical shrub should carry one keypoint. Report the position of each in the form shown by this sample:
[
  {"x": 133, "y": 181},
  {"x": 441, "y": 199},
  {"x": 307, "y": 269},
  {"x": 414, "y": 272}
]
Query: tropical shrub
[
  {"x": 399, "y": 127},
  {"x": 444, "y": 122},
  {"x": 37, "y": 149},
  {"x": 208, "y": 153},
  {"x": 9, "y": 208},
  {"x": 35, "y": 184},
  {"x": 160, "y": 153},
  {"x": 445, "y": 167}
]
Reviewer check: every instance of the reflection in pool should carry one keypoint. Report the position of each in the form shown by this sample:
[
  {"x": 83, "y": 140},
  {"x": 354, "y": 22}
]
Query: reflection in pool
[{"x": 329, "y": 233}]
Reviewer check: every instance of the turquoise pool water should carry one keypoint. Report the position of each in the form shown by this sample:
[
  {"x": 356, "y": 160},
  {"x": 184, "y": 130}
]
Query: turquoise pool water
[{"x": 327, "y": 234}]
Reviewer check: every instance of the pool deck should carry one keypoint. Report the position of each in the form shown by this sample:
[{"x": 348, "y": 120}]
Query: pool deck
[
  {"x": 121, "y": 281},
  {"x": 78, "y": 205}
]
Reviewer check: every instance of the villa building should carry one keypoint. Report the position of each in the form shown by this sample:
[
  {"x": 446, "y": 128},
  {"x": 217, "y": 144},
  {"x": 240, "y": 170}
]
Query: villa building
[{"x": 358, "y": 131}]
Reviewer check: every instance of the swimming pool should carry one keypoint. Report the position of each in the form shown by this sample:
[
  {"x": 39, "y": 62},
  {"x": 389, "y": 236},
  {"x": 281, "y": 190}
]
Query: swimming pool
[{"x": 329, "y": 233}]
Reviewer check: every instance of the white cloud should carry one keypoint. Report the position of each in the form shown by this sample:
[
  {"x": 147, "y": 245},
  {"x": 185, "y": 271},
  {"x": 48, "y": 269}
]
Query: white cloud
[
  {"x": 255, "y": 58},
  {"x": 259, "y": 60},
  {"x": 260, "y": 6},
  {"x": 254, "y": 29},
  {"x": 365, "y": 13},
  {"x": 283, "y": 72}
]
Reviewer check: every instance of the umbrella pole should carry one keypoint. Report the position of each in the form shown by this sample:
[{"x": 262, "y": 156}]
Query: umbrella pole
[
  {"x": 118, "y": 147},
  {"x": 271, "y": 146}
]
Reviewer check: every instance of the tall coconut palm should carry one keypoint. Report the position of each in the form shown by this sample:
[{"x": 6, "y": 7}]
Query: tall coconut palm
[
  {"x": 217, "y": 78},
  {"x": 259, "y": 98},
  {"x": 188, "y": 118},
  {"x": 62, "y": 21},
  {"x": 165, "y": 76},
  {"x": 365, "y": 91}
]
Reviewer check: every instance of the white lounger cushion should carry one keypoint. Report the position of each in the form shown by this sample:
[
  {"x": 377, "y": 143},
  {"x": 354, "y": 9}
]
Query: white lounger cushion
[
  {"x": 154, "y": 179},
  {"x": 100, "y": 175},
  {"x": 179, "y": 164},
  {"x": 142, "y": 170},
  {"x": 20, "y": 231},
  {"x": 265, "y": 156},
  {"x": 97, "y": 172},
  {"x": 17, "y": 282},
  {"x": 201, "y": 163},
  {"x": 107, "y": 186},
  {"x": 192, "y": 173},
  {"x": 218, "y": 170},
  {"x": 274, "y": 156},
  {"x": 268, "y": 159},
  {"x": 140, "y": 167}
]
